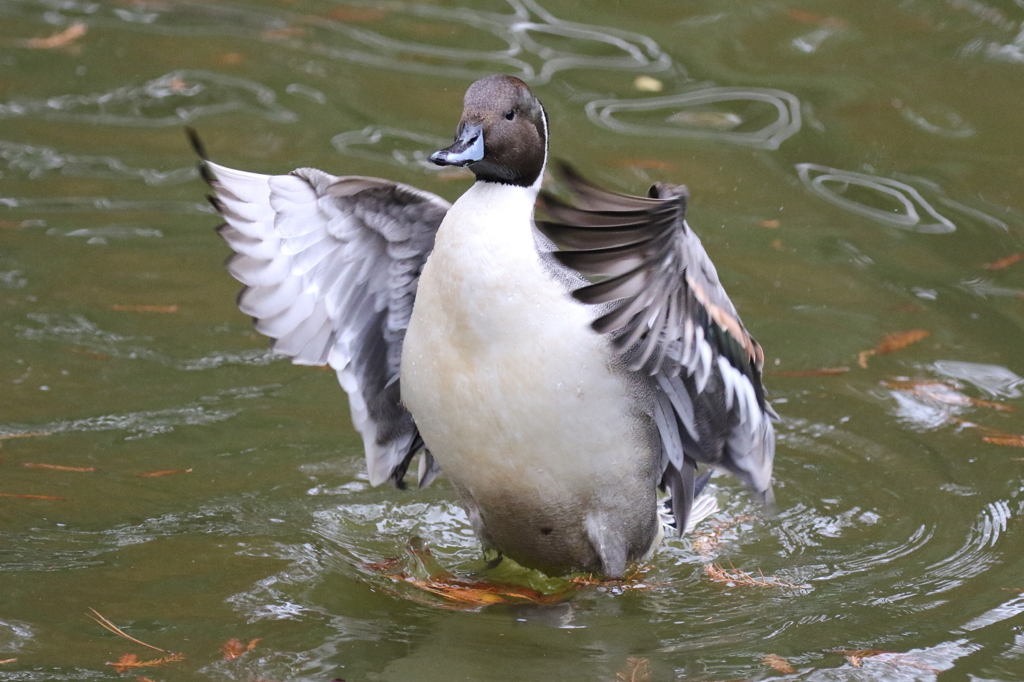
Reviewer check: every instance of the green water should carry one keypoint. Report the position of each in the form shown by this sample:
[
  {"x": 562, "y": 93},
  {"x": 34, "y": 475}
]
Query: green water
[{"x": 853, "y": 167}]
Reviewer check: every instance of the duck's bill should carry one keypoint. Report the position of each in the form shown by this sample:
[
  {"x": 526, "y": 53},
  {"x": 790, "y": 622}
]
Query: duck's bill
[{"x": 468, "y": 148}]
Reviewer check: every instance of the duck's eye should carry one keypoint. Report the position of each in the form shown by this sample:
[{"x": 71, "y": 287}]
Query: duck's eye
[{"x": 510, "y": 115}]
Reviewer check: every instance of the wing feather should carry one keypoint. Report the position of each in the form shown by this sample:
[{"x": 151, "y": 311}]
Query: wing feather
[
  {"x": 671, "y": 321},
  {"x": 331, "y": 266}
]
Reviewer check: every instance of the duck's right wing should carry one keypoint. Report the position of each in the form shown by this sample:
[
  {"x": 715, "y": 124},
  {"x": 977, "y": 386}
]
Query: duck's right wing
[
  {"x": 659, "y": 299},
  {"x": 330, "y": 267}
]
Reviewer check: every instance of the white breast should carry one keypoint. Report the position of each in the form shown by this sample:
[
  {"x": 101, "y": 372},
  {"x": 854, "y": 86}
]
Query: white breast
[{"x": 509, "y": 386}]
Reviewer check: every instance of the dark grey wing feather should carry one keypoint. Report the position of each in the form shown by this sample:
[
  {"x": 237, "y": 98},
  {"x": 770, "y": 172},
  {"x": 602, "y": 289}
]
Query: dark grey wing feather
[
  {"x": 331, "y": 266},
  {"x": 662, "y": 304}
]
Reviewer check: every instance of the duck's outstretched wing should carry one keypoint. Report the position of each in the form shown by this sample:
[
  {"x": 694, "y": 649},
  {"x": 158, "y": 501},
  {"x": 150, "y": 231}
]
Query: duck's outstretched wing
[
  {"x": 330, "y": 267},
  {"x": 670, "y": 319}
]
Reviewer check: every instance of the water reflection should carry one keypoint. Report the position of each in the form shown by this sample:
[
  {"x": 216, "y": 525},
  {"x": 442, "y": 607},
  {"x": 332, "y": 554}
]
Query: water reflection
[
  {"x": 717, "y": 123},
  {"x": 36, "y": 161},
  {"x": 395, "y": 144},
  {"x": 903, "y": 204},
  {"x": 173, "y": 99},
  {"x": 78, "y": 331},
  {"x": 993, "y": 379}
]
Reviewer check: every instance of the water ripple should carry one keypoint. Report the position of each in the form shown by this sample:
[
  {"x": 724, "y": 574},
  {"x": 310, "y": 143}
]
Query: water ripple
[
  {"x": 974, "y": 556},
  {"x": 139, "y": 424},
  {"x": 34, "y": 161},
  {"x": 519, "y": 34},
  {"x": 171, "y": 100},
  {"x": 993, "y": 379},
  {"x": 78, "y": 331},
  {"x": 872, "y": 557},
  {"x": 902, "y": 202},
  {"x": 704, "y": 124},
  {"x": 358, "y": 142}
]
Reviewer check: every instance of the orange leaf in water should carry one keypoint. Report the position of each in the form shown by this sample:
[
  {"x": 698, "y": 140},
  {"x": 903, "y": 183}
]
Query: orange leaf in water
[
  {"x": 381, "y": 566},
  {"x": 130, "y": 661},
  {"x": 773, "y": 223},
  {"x": 900, "y": 340},
  {"x": 144, "y": 679},
  {"x": 718, "y": 574},
  {"x": 58, "y": 467},
  {"x": 1004, "y": 262},
  {"x": 480, "y": 594},
  {"x": 854, "y": 656},
  {"x": 776, "y": 662},
  {"x": 62, "y": 39},
  {"x": 126, "y": 308},
  {"x": 635, "y": 670},
  {"x": 891, "y": 343},
  {"x": 165, "y": 472},
  {"x": 34, "y": 497},
  {"x": 822, "y": 372},
  {"x": 944, "y": 393},
  {"x": 8, "y": 660},
  {"x": 232, "y": 649}
]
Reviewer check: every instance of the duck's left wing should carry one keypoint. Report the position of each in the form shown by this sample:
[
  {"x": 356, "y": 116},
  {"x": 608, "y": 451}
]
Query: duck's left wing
[
  {"x": 330, "y": 267},
  {"x": 669, "y": 319}
]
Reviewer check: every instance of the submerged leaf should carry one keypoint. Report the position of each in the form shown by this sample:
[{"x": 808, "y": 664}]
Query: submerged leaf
[
  {"x": 942, "y": 392},
  {"x": 34, "y": 497},
  {"x": 900, "y": 340},
  {"x": 635, "y": 670},
  {"x": 131, "y": 661},
  {"x": 61, "y": 39},
  {"x": 234, "y": 648},
  {"x": 58, "y": 467},
  {"x": 718, "y": 574},
  {"x": 164, "y": 472},
  {"x": 776, "y": 662},
  {"x": 1004, "y": 262},
  {"x": 479, "y": 593},
  {"x": 891, "y": 343}
]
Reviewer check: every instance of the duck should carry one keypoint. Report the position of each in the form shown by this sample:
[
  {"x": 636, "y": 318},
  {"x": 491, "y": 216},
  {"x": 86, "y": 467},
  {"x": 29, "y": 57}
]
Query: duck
[{"x": 563, "y": 357}]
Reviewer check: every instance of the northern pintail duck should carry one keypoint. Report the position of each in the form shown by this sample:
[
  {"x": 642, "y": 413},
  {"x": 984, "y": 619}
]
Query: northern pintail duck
[{"x": 556, "y": 405}]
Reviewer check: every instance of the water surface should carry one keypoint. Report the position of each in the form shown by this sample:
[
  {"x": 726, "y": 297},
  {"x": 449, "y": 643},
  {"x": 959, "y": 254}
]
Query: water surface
[{"x": 855, "y": 171}]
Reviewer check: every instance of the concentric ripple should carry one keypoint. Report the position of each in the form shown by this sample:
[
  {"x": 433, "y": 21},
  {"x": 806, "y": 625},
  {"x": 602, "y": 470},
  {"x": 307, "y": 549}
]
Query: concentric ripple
[
  {"x": 707, "y": 123},
  {"x": 881, "y": 199}
]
